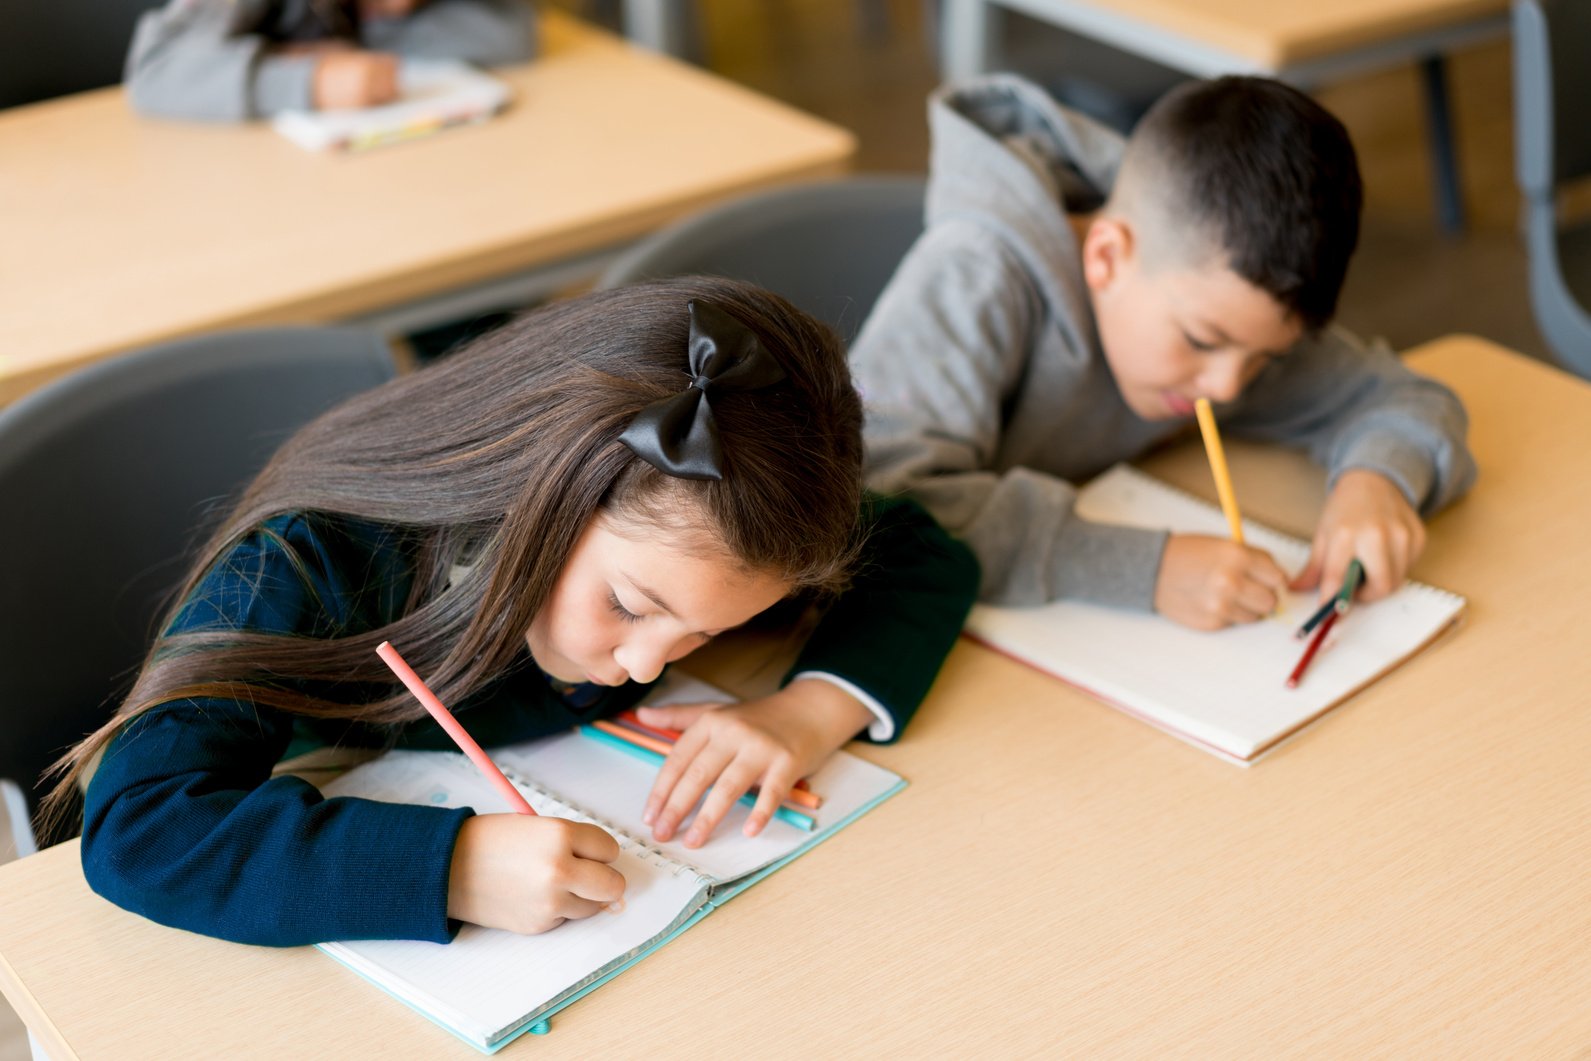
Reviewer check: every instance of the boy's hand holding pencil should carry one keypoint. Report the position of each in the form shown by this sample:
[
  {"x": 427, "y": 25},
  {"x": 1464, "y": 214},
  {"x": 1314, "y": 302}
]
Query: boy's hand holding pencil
[{"x": 1209, "y": 583}]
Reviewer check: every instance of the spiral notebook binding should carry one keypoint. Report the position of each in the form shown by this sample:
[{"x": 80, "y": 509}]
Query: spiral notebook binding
[{"x": 627, "y": 841}]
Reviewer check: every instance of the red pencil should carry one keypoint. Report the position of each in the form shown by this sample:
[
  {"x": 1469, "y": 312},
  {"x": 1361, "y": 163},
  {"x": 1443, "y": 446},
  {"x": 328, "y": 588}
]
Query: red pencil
[
  {"x": 445, "y": 719},
  {"x": 1314, "y": 646}
]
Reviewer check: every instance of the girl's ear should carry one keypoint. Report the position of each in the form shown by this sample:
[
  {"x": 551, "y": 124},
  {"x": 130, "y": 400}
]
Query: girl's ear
[{"x": 1107, "y": 251}]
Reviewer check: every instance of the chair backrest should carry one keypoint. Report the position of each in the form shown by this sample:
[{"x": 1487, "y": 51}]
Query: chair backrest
[
  {"x": 1552, "y": 91},
  {"x": 1552, "y": 131},
  {"x": 109, "y": 477},
  {"x": 829, "y": 247},
  {"x": 53, "y": 47}
]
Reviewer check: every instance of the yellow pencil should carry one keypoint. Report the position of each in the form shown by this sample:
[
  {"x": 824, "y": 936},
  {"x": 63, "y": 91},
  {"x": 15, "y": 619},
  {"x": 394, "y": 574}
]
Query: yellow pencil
[{"x": 1223, "y": 478}]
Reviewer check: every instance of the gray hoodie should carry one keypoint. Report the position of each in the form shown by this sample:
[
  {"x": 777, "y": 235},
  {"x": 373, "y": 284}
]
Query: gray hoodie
[
  {"x": 212, "y": 59},
  {"x": 988, "y": 394}
]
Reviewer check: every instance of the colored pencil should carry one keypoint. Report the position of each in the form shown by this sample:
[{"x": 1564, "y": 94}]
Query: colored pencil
[
  {"x": 801, "y": 793},
  {"x": 1223, "y": 478},
  {"x": 801, "y": 821},
  {"x": 651, "y": 743},
  {"x": 1350, "y": 585},
  {"x": 450, "y": 725},
  {"x": 1314, "y": 620},
  {"x": 1314, "y": 647}
]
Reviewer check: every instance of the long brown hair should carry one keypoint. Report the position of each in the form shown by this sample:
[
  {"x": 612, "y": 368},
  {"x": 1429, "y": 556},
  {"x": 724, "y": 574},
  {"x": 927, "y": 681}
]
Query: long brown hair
[{"x": 501, "y": 454}]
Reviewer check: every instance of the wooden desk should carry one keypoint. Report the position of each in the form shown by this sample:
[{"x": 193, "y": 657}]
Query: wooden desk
[
  {"x": 121, "y": 231},
  {"x": 1406, "y": 879},
  {"x": 1305, "y": 42}
]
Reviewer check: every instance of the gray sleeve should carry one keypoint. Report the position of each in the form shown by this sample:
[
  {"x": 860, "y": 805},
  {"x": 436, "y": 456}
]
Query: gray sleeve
[
  {"x": 943, "y": 350},
  {"x": 1356, "y": 405},
  {"x": 484, "y": 32},
  {"x": 195, "y": 59}
]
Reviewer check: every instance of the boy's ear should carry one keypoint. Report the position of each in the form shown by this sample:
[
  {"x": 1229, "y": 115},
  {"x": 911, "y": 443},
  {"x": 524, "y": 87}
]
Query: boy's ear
[{"x": 1107, "y": 250}]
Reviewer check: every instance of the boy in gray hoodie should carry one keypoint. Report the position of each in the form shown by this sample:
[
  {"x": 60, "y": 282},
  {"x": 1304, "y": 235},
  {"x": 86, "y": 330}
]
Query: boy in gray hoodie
[
  {"x": 230, "y": 60},
  {"x": 1072, "y": 296}
]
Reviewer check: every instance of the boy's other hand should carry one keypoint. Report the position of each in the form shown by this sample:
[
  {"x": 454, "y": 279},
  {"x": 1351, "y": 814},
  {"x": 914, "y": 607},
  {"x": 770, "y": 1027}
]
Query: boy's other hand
[
  {"x": 528, "y": 874},
  {"x": 347, "y": 79},
  {"x": 1366, "y": 516},
  {"x": 1209, "y": 583}
]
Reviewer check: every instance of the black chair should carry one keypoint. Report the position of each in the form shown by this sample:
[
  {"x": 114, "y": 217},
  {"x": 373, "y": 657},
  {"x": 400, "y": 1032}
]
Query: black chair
[
  {"x": 109, "y": 477},
  {"x": 829, "y": 247},
  {"x": 53, "y": 47},
  {"x": 1552, "y": 130}
]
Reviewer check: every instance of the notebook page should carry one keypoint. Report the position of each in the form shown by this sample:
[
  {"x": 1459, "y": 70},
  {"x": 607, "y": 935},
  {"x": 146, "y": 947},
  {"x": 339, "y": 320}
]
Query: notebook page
[
  {"x": 613, "y": 786},
  {"x": 1224, "y": 690},
  {"x": 487, "y": 983}
]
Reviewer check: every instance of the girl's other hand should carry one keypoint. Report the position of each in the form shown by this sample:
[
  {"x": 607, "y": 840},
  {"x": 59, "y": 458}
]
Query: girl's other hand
[
  {"x": 529, "y": 874},
  {"x": 727, "y": 749}
]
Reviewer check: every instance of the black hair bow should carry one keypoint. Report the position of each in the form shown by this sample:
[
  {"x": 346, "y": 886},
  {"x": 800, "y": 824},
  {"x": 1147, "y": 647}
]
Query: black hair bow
[{"x": 677, "y": 434}]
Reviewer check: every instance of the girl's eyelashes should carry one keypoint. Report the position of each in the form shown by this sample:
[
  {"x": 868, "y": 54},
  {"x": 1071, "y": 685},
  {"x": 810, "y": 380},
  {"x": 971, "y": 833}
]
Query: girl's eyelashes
[
  {"x": 620, "y": 610},
  {"x": 1202, "y": 347}
]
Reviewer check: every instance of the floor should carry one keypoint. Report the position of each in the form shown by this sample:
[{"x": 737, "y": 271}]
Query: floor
[{"x": 868, "y": 66}]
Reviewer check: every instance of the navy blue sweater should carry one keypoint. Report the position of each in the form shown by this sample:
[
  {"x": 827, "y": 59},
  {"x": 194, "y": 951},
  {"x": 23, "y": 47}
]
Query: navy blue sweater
[{"x": 184, "y": 823}]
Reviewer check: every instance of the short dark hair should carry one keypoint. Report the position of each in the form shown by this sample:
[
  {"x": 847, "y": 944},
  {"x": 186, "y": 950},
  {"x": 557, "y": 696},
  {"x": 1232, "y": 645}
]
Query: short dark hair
[{"x": 1273, "y": 174}]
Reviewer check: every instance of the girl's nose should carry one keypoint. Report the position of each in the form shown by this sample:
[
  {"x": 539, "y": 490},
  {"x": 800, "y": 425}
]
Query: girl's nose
[{"x": 643, "y": 660}]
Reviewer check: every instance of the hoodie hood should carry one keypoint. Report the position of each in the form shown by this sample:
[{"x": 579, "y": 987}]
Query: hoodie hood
[{"x": 1008, "y": 157}]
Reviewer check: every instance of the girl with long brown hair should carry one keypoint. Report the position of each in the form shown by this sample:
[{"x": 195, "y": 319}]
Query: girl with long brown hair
[{"x": 540, "y": 523}]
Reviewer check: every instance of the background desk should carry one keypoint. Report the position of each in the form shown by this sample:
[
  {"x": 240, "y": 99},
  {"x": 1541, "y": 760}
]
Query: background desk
[
  {"x": 1408, "y": 878},
  {"x": 1305, "y": 42},
  {"x": 121, "y": 231}
]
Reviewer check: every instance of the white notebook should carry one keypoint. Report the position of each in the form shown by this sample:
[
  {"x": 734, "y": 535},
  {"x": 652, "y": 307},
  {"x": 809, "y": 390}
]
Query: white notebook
[
  {"x": 1222, "y": 691},
  {"x": 434, "y": 94},
  {"x": 488, "y": 986}
]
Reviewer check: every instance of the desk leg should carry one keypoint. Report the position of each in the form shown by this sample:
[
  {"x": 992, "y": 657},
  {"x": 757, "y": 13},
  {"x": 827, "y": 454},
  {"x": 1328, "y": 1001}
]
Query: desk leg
[
  {"x": 661, "y": 25},
  {"x": 1444, "y": 162},
  {"x": 967, "y": 38}
]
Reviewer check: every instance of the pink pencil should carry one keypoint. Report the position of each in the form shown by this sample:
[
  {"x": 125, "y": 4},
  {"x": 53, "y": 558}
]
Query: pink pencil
[{"x": 445, "y": 719}]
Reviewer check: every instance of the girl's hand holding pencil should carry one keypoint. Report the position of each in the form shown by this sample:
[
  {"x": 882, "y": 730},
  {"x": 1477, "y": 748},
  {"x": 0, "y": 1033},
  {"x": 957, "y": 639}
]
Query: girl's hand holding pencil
[{"x": 516, "y": 871}]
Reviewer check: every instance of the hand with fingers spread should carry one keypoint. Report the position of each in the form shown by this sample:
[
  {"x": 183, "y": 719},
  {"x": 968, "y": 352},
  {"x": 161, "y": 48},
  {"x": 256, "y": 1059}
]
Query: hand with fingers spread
[
  {"x": 1210, "y": 583},
  {"x": 528, "y": 874},
  {"x": 1366, "y": 516},
  {"x": 728, "y": 749}
]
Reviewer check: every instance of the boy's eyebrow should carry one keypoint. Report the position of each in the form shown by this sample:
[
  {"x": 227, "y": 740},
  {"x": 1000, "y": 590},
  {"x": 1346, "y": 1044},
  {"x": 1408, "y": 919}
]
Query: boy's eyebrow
[{"x": 1220, "y": 334}]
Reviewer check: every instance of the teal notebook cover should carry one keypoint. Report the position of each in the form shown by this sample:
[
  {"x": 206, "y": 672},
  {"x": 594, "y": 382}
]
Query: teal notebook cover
[{"x": 488, "y": 986}]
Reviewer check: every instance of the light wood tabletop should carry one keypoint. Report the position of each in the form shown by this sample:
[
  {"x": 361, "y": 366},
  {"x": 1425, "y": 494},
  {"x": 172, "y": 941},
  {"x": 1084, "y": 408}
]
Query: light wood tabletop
[
  {"x": 122, "y": 231},
  {"x": 1262, "y": 35},
  {"x": 1407, "y": 878},
  {"x": 1279, "y": 33}
]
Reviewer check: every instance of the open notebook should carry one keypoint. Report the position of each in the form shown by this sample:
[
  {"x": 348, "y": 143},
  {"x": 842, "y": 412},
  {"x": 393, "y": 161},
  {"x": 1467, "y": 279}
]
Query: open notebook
[
  {"x": 433, "y": 94},
  {"x": 489, "y": 986},
  {"x": 1223, "y": 691}
]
